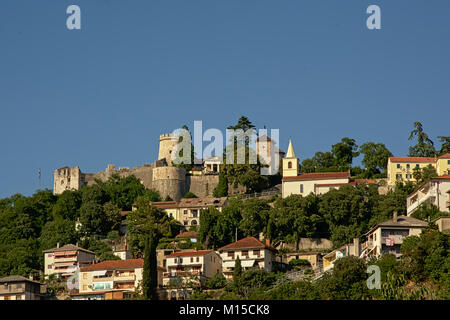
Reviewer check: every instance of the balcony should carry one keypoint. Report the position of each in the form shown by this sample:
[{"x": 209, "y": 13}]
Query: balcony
[
  {"x": 65, "y": 259},
  {"x": 174, "y": 274},
  {"x": 128, "y": 278},
  {"x": 102, "y": 279},
  {"x": 398, "y": 239},
  {"x": 431, "y": 193}
]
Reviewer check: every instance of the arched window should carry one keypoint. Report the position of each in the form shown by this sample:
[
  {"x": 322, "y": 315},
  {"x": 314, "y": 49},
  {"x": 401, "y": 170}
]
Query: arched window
[
  {"x": 289, "y": 165},
  {"x": 194, "y": 222}
]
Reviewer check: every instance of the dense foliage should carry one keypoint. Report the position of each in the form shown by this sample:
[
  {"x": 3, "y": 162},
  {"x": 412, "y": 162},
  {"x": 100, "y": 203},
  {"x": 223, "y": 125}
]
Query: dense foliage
[{"x": 29, "y": 225}]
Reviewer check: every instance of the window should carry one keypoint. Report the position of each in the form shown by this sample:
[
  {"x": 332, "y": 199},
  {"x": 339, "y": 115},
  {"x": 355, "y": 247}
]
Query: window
[
  {"x": 398, "y": 176},
  {"x": 19, "y": 297},
  {"x": 448, "y": 161},
  {"x": 398, "y": 166},
  {"x": 407, "y": 165},
  {"x": 192, "y": 259},
  {"x": 185, "y": 222},
  {"x": 301, "y": 188},
  {"x": 194, "y": 222},
  {"x": 408, "y": 176},
  {"x": 245, "y": 253},
  {"x": 185, "y": 212},
  {"x": 198, "y": 259},
  {"x": 256, "y": 253},
  {"x": 289, "y": 165},
  {"x": 180, "y": 260},
  {"x": 49, "y": 266},
  {"x": 231, "y": 254},
  {"x": 194, "y": 213}
]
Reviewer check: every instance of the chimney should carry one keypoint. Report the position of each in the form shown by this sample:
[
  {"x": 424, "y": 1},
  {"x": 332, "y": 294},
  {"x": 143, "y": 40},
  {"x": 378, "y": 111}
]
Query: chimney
[
  {"x": 267, "y": 242},
  {"x": 57, "y": 245},
  {"x": 31, "y": 277},
  {"x": 356, "y": 247},
  {"x": 395, "y": 216}
]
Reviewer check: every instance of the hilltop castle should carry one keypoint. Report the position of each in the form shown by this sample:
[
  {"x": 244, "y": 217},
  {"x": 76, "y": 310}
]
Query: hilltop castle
[{"x": 160, "y": 175}]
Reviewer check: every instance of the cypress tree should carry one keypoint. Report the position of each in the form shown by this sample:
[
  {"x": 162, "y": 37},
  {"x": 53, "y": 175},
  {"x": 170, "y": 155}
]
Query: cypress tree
[
  {"x": 237, "y": 272},
  {"x": 150, "y": 272}
]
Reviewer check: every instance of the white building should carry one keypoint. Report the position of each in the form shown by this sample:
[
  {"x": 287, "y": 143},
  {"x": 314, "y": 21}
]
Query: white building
[
  {"x": 196, "y": 266},
  {"x": 387, "y": 236},
  {"x": 252, "y": 253},
  {"x": 435, "y": 191}
]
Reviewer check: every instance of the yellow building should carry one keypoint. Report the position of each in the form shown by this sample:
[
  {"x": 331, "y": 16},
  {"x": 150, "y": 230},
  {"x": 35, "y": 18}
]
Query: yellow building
[
  {"x": 402, "y": 168},
  {"x": 443, "y": 165}
]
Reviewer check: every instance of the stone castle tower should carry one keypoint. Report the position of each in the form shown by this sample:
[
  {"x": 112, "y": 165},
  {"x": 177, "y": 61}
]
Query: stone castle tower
[
  {"x": 66, "y": 178},
  {"x": 167, "y": 143}
]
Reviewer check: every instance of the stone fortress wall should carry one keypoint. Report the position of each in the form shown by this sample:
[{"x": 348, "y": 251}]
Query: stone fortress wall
[{"x": 160, "y": 175}]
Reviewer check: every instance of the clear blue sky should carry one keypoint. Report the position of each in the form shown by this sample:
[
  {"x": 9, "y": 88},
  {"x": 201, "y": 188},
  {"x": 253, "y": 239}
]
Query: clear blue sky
[{"x": 144, "y": 67}]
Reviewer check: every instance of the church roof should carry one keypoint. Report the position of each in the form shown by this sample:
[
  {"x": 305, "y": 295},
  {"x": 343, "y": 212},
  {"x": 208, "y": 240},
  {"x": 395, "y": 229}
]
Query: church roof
[{"x": 290, "y": 152}]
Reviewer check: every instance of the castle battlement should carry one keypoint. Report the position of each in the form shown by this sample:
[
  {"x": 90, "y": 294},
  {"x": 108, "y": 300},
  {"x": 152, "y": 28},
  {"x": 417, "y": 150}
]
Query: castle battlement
[{"x": 166, "y": 136}]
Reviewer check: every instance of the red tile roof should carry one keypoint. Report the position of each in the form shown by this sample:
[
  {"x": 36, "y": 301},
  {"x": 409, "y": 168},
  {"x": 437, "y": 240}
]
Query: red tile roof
[
  {"x": 117, "y": 264},
  {"x": 446, "y": 177},
  {"x": 68, "y": 247},
  {"x": 246, "y": 243},
  {"x": 319, "y": 176},
  {"x": 188, "y": 234},
  {"x": 412, "y": 159},
  {"x": 191, "y": 253},
  {"x": 165, "y": 204},
  {"x": 445, "y": 156}
]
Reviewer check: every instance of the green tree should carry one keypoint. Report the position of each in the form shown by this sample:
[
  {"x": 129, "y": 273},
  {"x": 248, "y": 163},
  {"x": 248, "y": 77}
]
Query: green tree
[
  {"x": 424, "y": 146},
  {"x": 375, "y": 159},
  {"x": 344, "y": 152},
  {"x": 445, "y": 145},
  {"x": 68, "y": 205},
  {"x": 422, "y": 175},
  {"x": 150, "y": 272},
  {"x": 190, "y": 195},
  {"x": 122, "y": 192},
  {"x": 147, "y": 220},
  {"x": 58, "y": 231},
  {"x": 347, "y": 280},
  {"x": 255, "y": 214},
  {"x": 221, "y": 190}
]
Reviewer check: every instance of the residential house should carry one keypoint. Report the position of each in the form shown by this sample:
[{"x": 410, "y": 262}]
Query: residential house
[
  {"x": 314, "y": 258},
  {"x": 402, "y": 168},
  {"x": 387, "y": 236},
  {"x": 19, "y": 288},
  {"x": 443, "y": 223},
  {"x": 189, "y": 208},
  {"x": 64, "y": 261},
  {"x": 435, "y": 191},
  {"x": 114, "y": 279},
  {"x": 252, "y": 253},
  {"x": 350, "y": 249},
  {"x": 191, "y": 235},
  {"x": 189, "y": 268}
]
